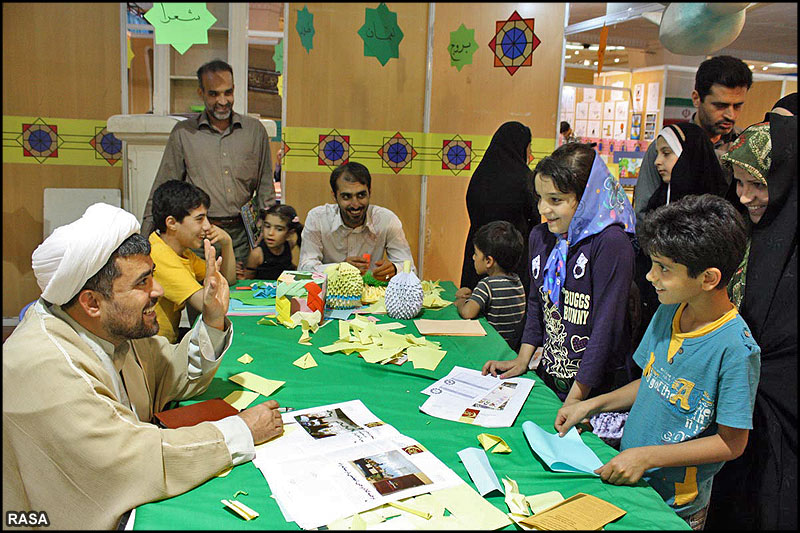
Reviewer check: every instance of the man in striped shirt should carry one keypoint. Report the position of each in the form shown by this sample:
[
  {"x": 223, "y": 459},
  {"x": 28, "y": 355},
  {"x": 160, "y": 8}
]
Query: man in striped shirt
[{"x": 500, "y": 295}]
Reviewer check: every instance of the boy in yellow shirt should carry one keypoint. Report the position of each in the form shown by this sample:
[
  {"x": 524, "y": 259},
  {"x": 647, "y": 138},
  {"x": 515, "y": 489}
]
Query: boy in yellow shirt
[{"x": 179, "y": 216}]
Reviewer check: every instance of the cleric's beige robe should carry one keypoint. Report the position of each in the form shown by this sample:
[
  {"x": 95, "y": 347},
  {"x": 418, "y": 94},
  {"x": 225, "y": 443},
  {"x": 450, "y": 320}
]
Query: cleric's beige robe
[{"x": 72, "y": 449}]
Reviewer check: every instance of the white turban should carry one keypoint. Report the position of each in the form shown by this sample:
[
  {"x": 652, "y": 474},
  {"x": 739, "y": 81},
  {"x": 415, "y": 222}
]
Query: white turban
[{"x": 73, "y": 253}]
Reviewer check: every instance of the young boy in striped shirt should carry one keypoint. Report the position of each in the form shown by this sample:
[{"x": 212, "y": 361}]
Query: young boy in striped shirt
[{"x": 499, "y": 296}]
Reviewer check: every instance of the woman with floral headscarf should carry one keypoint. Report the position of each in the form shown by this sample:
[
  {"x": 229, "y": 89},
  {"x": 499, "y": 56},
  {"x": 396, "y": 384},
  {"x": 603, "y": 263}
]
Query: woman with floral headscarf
[{"x": 759, "y": 489}]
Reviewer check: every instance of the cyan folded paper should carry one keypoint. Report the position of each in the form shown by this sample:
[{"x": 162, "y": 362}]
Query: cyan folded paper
[
  {"x": 479, "y": 469},
  {"x": 561, "y": 454}
]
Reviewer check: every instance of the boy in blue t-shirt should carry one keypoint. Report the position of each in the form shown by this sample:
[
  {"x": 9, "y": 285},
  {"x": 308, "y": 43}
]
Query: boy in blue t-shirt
[
  {"x": 500, "y": 295},
  {"x": 692, "y": 408}
]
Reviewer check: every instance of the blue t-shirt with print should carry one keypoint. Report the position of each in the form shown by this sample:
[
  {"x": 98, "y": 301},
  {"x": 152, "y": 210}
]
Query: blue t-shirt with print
[{"x": 690, "y": 383}]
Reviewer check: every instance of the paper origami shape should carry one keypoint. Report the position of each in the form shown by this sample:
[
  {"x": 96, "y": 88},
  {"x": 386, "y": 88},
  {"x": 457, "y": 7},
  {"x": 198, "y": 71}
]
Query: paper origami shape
[
  {"x": 562, "y": 454},
  {"x": 305, "y": 361},
  {"x": 299, "y": 291},
  {"x": 487, "y": 441}
]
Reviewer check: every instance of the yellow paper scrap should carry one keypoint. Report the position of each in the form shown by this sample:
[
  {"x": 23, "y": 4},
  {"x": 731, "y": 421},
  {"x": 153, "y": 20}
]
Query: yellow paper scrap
[
  {"x": 364, "y": 337},
  {"x": 305, "y": 338},
  {"x": 305, "y": 361},
  {"x": 376, "y": 308},
  {"x": 266, "y": 321},
  {"x": 344, "y": 330},
  {"x": 390, "y": 326},
  {"x": 256, "y": 383},
  {"x": 225, "y": 472},
  {"x": 540, "y": 502},
  {"x": 580, "y": 512},
  {"x": 375, "y": 355},
  {"x": 421, "y": 514},
  {"x": 471, "y": 510},
  {"x": 245, "y": 359},
  {"x": 240, "y": 509},
  {"x": 516, "y": 502},
  {"x": 434, "y": 301},
  {"x": 240, "y": 399},
  {"x": 487, "y": 441},
  {"x": 456, "y": 327},
  {"x": 424, "y": 357}
]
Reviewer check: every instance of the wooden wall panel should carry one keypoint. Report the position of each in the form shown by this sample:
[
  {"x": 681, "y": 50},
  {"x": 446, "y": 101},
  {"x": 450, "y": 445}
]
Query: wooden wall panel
[
  {"x": 478, "y": 100},
  {"x": 760, "y": 99},
  {"x": 61, "y": 61},
  {"x": 579, "y": 75},
  {"x": 336, "y": 86}
]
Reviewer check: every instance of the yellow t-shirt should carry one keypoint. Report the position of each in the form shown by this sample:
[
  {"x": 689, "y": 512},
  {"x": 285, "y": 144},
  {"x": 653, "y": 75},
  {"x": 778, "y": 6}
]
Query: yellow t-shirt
[{"x": 180, "y": 276}]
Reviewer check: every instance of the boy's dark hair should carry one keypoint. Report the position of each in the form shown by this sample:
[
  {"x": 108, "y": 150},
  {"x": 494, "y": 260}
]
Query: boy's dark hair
[
  {"x": 176, "y": 198},
  {"x": 564, "y": 127},
  {"x": 217, "y": 65},
  {"x": 288, "y": 215},
  {"x": 103, "y": 280},
  {"x": 728, "y": 71},
  {"x": 502, "y": 241},
  {"x": 351, "y": 171},
  {"x": 699, "y": 232},
  {"x": 569, "y": 167}
]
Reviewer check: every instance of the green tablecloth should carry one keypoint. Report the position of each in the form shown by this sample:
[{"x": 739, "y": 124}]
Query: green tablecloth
[{"x": 392, "y": 393}]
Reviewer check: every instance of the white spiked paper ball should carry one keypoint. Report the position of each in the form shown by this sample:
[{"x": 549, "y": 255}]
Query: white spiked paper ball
[{"x": 404, "y": 295}]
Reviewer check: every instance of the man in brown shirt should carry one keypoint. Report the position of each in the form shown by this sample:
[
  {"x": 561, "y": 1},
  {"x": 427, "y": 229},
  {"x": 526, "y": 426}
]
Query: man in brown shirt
[{"x": 222, "y": 152}]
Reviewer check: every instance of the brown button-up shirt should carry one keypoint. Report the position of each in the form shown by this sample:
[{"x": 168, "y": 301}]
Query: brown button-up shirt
[{"x": 225, "y": 165}]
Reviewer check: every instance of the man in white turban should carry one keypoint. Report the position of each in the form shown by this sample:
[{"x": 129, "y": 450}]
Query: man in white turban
[{"x": 83, "y": 375}]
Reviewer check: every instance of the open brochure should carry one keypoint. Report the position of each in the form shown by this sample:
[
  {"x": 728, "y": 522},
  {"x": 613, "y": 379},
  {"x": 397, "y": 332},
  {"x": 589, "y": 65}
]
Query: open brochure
[
  {"x": 464, "y": 395},
  {"x": 339, "y": 459}
]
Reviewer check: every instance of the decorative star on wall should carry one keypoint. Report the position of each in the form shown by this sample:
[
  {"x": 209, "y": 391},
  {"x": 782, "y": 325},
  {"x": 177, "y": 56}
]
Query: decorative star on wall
[
  {"x": 462, "y": 47},
  {"x": 180, "y": 24},
  {"x": 305, "y": 28},
  {"x": 381, "y": 34}
]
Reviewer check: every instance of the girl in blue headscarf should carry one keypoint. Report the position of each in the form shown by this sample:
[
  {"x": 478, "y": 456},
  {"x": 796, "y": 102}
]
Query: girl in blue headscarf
[{"x": 581, "y": 262}]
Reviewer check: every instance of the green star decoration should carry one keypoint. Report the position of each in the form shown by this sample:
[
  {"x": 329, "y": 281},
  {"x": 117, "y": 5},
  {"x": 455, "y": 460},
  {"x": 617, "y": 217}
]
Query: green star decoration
[
  {"x": 180, "y": 24},
  {"x": 381, "y": 34},
  {"x": 305, "y": 28},
  {"x": 277, "y": 57},
  {"x": 462, "y": 46}
]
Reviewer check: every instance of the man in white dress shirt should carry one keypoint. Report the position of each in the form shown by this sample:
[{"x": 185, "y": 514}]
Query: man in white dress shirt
[{"x": 351, "y": 229}]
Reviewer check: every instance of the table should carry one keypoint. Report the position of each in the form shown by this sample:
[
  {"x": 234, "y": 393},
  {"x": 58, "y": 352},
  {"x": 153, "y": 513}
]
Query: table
[{"x": 392, "y": 393}]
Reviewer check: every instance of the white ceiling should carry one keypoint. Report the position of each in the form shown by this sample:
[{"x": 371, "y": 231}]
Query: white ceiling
[{"x": 769, "y": 34}]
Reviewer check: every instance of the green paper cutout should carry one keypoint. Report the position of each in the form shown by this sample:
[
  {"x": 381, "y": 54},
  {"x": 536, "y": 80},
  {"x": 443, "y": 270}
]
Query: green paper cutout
[
  {"x": 462, "y": 46},
  {"x": 277, "y": 57},
  {"x": 381, "y": 34},
  {"x": 305, "y": 28},
  {"x": 180, "y": 24}
]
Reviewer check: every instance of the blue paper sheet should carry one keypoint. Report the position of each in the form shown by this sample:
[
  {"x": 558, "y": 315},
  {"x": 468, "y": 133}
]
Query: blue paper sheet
[
  {"x": 561, "y": 454},
  {"x": 479, "y": 469}
]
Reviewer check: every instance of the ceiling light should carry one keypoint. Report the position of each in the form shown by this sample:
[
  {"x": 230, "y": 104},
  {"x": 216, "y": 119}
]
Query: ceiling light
[
  {"x": 567, "y": 57},
  {"x": 751, "y": 67},
  {"x": 782, "y": 65},
  {"x": 595, "y": 62},
  {"x": 764, "y": 67},
  {"x": 594, "y": 48},
  {"x": 577, "y": 52},
  {"x": 616, "y": 60},
  {"x": 586, "y": 62}
]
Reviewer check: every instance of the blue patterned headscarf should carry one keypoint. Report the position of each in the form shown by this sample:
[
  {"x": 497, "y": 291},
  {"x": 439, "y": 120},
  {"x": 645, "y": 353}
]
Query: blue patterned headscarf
[{"x": 604, "y": 203}]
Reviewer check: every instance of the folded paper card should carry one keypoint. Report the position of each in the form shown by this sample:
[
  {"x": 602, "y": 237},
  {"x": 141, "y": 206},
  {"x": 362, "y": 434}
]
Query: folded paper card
[
  {"x": 256, "y": 383},
  {"x": 479, "y": 469},
  {"x": 561, "y": 454},
  {"x": 245, "y": 359},
  {"x": 466, "y": 328}
]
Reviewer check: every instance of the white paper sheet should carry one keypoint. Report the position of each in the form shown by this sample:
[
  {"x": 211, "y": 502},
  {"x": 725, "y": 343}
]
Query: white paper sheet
[
  {"x": 343, "y": 460},
  {"x": 464, "y": 395}
]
